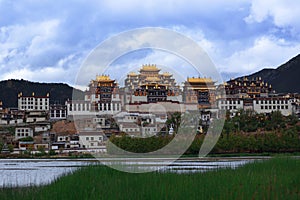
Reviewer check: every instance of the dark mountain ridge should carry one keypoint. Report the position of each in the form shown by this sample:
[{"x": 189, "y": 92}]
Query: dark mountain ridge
[
  {"x": 58, "y": 92},
  {"x": 285, "y": 78}
]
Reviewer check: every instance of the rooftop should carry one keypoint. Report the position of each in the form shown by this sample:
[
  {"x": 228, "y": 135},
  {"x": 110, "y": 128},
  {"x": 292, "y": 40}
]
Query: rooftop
[
  {"x": 104, "y": 78},
  {"x": 150, "y": 67},
  {"x": 200, "y": 80}
]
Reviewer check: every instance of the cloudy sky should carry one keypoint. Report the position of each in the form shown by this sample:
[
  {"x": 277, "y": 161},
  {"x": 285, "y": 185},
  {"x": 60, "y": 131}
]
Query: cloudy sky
[{"x": 48, "y": 41}]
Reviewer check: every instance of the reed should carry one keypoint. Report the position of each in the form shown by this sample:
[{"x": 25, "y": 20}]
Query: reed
[{"x": 277, "y": 178}]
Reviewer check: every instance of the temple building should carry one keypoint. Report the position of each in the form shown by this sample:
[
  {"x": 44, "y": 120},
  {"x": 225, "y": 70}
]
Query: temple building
[
  {"x": 247, "y": 88},
  {"x": 149, "y": 74},
  {"x": 150, "y": 86},
  {"x": 201, "y": 91},
  {"x": 102, "y": 97}
]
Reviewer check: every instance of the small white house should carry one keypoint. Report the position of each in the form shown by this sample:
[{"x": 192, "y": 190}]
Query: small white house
[
  {"x": 23, "y": 132},
  {"x": 91, "y": 140}
]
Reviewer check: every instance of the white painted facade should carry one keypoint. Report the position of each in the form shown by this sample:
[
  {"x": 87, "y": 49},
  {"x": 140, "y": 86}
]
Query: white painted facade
[
  {"x": 91, "y": 140},
  {"x": 259, "y": 105},
  {"x": 33, "y": 102},
  {"x": 42, "y": 127},
  {"x": 268, "y": 105},
  {"x": 85, "y": 108},
  {"x": 58, "y": 112},
  {"x": 232, "y": 104},
  {"x": 23, "y": 132}
]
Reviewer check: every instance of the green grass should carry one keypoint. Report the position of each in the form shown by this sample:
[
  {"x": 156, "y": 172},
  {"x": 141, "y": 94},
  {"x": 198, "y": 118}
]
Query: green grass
[{"x": 277, "y": 178}]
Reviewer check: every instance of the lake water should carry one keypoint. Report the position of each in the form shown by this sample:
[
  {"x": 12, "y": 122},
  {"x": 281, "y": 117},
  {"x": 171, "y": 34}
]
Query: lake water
[{"x": 28, "y": 172}]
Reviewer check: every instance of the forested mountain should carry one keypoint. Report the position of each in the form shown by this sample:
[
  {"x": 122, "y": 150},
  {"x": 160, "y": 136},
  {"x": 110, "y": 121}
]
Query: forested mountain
[
  {"x": 285, "y": 78},
  {"x": 59, "y": 92}
]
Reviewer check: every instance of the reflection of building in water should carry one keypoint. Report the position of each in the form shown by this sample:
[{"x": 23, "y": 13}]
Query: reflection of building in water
[{"x": 201, "y": 91}]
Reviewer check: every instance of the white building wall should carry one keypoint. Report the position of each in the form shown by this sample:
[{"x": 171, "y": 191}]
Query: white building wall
[
  {"x": 22, "y": 132},
  {"x": 175, "y": 98},
  {"x": 38, "y": 128},
  {"x": 139, "y": 98},
  {"x": 74, "y": 108},
  {"x": 231, "y": 105},
  {"x": 33, "y": 103},
  {"x": 91, "y": 141},
  {"x": 273, "y": 104}
]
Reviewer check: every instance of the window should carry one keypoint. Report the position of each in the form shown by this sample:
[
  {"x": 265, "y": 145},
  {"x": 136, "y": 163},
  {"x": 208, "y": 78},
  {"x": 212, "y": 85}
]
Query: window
[
  {"x": 286, "y": 107},
  {"x": 87, "y": 138},
  {"x": 92, "y": 138},
  {"x": 262, "y": 107}
]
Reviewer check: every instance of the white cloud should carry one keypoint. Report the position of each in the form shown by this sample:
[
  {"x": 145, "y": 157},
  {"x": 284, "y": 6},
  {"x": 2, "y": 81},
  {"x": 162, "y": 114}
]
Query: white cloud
[
  {"x": 65, "y": 70},
  {"x": 266, "y": 51},
  {"x": 40, "y": 43},
  {"x": 284, "y": 13}
]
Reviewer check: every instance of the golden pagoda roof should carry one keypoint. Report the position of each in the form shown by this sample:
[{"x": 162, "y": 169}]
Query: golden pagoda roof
[
  {"x": 132, "y": 74},
  {"x": 104, "y": 78},
  {"x": 199, "y": 80},
  {"x": 150, "y": 67},
  {"x": 167, "y": 74}
]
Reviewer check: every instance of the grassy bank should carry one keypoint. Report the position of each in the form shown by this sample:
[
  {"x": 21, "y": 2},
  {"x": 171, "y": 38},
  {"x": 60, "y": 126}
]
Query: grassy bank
[{"x": 277, "y": 178}]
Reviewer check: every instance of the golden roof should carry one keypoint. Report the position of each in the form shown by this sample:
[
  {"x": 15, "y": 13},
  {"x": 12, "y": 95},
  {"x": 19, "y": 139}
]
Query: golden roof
[
  {"x": 103, "y": 78},
  {"x": 132, "y": 74},
  {"x": 199, "y": 80},
  {"x": 150, "y": 67},
  {"x": 167, "y": 74}
]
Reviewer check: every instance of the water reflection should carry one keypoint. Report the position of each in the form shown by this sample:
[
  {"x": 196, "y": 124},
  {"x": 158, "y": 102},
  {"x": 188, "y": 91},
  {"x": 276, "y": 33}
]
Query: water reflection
[{"x": 29, "y": 172}]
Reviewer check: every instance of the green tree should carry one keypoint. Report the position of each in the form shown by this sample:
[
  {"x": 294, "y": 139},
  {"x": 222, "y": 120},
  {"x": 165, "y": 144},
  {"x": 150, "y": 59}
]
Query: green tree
[
  {"x": 10, "y": 147},
  {"x": 292, "y": 119},
  {"x": 175, "y": 120},
  {"x": 26, "y": 139}
]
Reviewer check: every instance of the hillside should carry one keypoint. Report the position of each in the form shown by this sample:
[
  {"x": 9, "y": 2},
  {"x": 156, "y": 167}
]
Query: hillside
[
  {"x": 59, "y": 92},
  {"x": 285, "y": 78}
]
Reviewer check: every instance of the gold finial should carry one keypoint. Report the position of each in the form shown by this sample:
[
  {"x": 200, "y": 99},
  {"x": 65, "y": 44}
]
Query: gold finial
[
  {"x": 33, "y": 94},
  {"x": 103, "y": 78}
]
